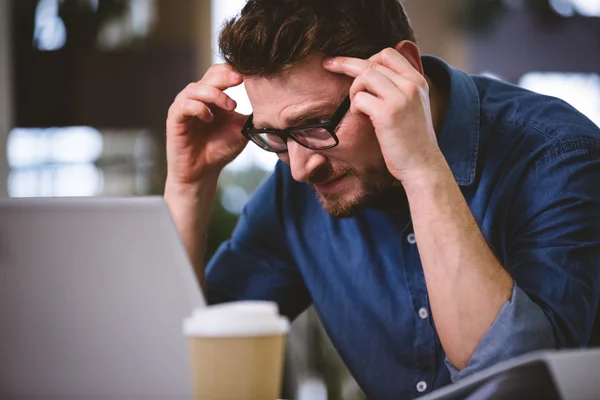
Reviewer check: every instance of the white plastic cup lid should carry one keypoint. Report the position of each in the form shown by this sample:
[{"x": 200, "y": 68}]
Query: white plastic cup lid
[{"x": 243, "y": 318}]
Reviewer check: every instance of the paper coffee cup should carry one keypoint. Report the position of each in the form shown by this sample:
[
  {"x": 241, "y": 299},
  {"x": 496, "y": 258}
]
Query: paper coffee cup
[{"x": 237, "y": 350}]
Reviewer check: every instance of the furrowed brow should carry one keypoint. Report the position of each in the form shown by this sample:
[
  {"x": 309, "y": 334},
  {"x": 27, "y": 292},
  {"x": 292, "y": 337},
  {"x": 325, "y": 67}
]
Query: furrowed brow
[{"x": 318, "y": 111}]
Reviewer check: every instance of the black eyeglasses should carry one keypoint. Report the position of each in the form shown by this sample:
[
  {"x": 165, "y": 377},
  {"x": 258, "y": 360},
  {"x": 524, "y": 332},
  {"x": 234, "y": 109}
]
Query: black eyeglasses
[{"x": 314, "y": 136}]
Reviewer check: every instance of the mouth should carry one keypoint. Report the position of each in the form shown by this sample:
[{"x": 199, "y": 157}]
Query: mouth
[{"x": 330, "y": 185}]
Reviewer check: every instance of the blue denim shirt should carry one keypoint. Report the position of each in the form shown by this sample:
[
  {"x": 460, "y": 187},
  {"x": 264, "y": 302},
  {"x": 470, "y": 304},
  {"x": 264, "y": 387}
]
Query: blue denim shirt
[{"x": 529, "y": 168}]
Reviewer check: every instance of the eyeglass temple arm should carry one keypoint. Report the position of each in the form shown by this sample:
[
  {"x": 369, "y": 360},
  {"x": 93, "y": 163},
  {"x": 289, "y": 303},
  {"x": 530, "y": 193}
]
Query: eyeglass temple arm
[{"x": 341, "y": 111}]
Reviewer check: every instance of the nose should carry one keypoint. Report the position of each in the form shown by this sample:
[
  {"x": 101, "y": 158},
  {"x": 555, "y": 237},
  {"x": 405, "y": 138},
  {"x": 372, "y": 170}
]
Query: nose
[{"x": 303, "y": 162}]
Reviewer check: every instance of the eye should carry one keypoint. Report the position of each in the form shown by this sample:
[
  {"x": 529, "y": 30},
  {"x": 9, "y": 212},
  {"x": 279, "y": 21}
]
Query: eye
[{"x": 316, "y": 121}]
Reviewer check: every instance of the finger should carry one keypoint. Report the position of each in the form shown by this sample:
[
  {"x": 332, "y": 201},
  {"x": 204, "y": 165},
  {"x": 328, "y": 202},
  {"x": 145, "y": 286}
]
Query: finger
[
  {"x": 388, "y": 73},
  {"x": 395, "y": 64},
  {"x": 376, "y": 83},
  {"x": 398, "y": 64},
  {"x": 209, "y": 95},
  {"x": 378, "y": 75},
  {"x": 222, "y": 77},
  {"x": 367, "y": 104},
  {"x": 350, "y": 66},
  {"x": 182, "y": 110}
]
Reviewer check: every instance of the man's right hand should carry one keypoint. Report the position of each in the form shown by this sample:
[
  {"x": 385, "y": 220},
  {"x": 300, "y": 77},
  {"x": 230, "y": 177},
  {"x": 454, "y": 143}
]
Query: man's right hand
[{"x": 203, "y": 130}]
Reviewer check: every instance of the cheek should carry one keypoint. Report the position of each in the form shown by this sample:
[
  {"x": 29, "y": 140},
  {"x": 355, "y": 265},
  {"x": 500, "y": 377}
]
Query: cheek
[
  {"x": 357, "y": 135},
  {"x": 358, "y": 146}
]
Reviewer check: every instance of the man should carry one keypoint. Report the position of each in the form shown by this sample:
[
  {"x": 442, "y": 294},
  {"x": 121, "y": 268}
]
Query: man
[{"x": 456, "y": 221}]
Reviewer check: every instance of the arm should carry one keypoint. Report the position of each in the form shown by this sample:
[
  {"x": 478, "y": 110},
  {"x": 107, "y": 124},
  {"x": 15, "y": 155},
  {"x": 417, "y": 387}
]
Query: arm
[
  {"x": 467, "y": 286},
  {"x": 255, "y": 263},
  {"x": 203, "y": 135},
  {"x": 190, "y": 207},
  {"x": 483, "y": 313},
  {"x": 553, "y": 256}
]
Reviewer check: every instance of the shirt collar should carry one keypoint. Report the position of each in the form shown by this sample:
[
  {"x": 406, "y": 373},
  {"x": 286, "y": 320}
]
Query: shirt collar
[{"x": 459, "y": 139}]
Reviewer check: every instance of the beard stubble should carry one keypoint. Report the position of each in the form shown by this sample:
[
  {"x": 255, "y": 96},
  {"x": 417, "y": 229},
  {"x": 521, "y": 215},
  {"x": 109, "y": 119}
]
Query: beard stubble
[{"x": 376, "y": 188}]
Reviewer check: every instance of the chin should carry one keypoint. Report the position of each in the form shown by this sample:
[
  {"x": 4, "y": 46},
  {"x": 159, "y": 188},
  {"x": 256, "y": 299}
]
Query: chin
[
  {"x": 343, "y": 206},
  {"x": 351, "y": 204}
]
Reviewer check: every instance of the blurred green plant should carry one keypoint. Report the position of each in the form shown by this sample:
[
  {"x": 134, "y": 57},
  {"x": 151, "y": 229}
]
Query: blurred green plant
[{"x": 222, "y": 223}]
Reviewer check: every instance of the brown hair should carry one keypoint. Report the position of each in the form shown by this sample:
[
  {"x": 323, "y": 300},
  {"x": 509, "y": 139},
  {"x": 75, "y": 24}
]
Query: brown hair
[{"x": 269, "y": 36}]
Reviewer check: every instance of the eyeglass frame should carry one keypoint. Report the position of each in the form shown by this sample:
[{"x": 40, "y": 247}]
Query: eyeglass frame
[{"x": 285, "y": 135}]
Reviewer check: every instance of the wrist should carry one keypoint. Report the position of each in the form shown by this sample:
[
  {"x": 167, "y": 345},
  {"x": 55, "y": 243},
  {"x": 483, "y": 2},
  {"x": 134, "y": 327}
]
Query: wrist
[
  {"x": 428, "y": 179},
  {"x": 203, "y": 189}
]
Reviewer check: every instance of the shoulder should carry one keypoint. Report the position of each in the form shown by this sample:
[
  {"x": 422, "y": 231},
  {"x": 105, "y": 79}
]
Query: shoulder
[{"x": 544, "y": 126}]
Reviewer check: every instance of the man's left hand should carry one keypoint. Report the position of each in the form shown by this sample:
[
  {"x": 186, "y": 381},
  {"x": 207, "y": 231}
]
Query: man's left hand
[{"x": 395, "y": 96}]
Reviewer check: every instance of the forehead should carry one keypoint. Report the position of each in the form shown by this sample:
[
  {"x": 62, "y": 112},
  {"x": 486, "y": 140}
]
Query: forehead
[{"x": 302, "y": 87}]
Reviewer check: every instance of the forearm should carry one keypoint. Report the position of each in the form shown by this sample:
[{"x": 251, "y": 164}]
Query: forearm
[
  {"x": 190, "y": 207},
  {"x": 467, "y": 285}
]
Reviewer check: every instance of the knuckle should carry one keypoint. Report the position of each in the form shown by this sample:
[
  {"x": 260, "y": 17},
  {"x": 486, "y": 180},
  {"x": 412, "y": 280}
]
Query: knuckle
[
  {"x": 185, "y": 93},
  {"x": 178, "y": 96},
  {"x": 181, "y": 106},
  {"x": 413, "y": 90},
  {"x": 388, "y": 52},
  {"x": 356, "y": 89},
  {"x": 372, "y": 65},
  {"x": 212, "y": 91},
  {"x": 215, "y": 68},
  {"x": 221, "y": 96},
  {"x": 206, "y": 92},
  {"x": 190, "y": 87},
  {"x": 370, "y": 71},
  {"x": 174, "y": 110},
  {"x": 422, "y": 82}
]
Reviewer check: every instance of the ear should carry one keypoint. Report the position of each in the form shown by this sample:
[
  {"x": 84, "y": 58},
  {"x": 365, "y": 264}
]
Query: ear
[{"x": 410, "y": 51}]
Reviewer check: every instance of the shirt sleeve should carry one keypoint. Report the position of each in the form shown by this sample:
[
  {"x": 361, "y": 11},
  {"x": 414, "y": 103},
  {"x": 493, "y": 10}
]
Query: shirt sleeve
[
  {"x": 521, "y": 326},
  {"x": 553, "y": 255},
  {"x": 255, "y": 264}
]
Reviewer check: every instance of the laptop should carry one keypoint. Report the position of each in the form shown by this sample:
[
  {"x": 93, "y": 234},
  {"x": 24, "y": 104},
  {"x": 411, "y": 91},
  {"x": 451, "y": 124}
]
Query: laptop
[{"x": 92, "y": 296}]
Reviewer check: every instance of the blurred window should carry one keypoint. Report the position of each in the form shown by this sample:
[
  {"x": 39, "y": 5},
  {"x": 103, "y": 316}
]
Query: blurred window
[
  {"x": 569, "y": 8},
  {"x": 136, "y": 21},
  {"x": 253, "y": 156},
  {"x": 82, "y": 161},
  {"x": 49, "y": 33},
  {"x": 54, "y": 162},
  {"x": 582, "y": 91}
]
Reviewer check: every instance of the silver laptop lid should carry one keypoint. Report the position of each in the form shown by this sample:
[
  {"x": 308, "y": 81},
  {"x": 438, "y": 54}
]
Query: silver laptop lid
[{"x": 92, "y": 296}]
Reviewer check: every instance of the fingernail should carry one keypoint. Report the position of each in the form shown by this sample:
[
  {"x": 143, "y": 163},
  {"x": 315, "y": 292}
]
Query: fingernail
[
  {"x": 328, "y": 61},
  {"x": 231, "y": 104},
  {"x": 235, "y": 76}
]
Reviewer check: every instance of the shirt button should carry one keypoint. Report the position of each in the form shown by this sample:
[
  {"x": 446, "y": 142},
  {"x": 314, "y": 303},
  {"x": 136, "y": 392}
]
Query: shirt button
[
  {"x": 421, "y": 386},
  {"x": 411, "y": 238},
  {"x": 423, "y": 313}
]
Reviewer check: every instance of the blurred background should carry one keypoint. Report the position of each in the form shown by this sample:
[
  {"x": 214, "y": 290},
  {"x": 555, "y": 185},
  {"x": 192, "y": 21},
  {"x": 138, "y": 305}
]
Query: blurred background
[{"x": 85, "y": 86}]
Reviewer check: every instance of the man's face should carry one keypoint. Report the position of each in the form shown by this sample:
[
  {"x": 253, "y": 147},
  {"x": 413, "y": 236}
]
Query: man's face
[{"x": 347, "y": 178}]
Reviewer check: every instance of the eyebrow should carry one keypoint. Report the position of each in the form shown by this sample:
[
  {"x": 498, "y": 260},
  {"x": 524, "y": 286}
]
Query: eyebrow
[{"x": 309, "y": 113}]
